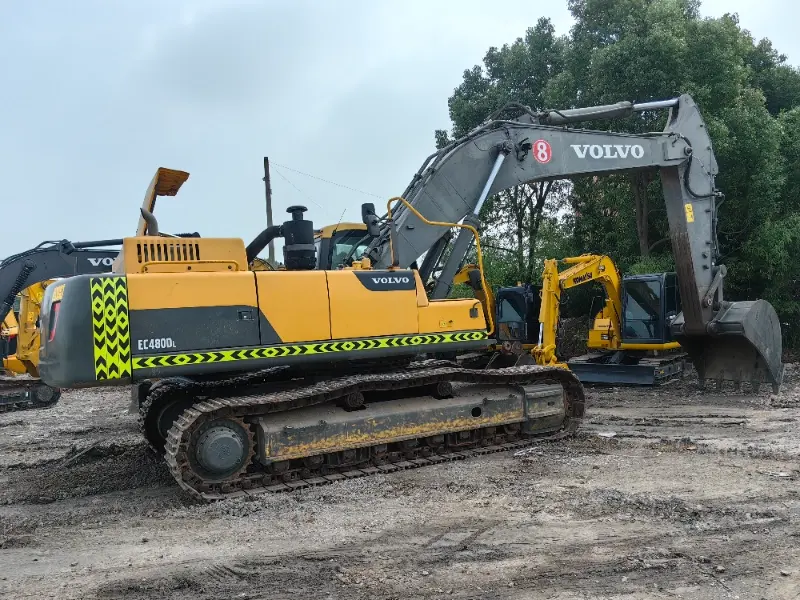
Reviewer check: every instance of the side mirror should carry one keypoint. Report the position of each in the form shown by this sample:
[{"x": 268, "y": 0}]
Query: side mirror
[{"x": 370, "y": 219}]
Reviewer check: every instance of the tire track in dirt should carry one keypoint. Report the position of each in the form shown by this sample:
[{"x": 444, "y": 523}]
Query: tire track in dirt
[
  {"x": 643, "y": 557},
  {"x": 689, "y": 483}
]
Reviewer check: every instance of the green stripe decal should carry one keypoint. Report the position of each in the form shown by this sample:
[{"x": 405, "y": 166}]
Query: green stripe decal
[
  {"x": 286, "y": 350},
  {"x": 110, "y": 328}
]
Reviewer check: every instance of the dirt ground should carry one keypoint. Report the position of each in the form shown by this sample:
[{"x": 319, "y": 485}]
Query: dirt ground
[{"x": 667, "y": 493}]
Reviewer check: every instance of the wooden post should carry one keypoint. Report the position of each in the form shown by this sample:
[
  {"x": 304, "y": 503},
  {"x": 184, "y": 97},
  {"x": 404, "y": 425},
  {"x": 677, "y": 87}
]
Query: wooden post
[{"x": 268, "y": 191}]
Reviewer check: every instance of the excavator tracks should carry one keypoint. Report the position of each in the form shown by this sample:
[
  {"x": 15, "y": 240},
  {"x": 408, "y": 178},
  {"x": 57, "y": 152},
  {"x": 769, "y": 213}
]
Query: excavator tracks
[
  {"x": 230, "y": 411},
  {"x": 16, "y": 394}
]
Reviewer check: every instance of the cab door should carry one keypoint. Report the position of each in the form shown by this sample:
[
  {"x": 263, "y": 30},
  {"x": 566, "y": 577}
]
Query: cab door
[{"x": 643, "y": 310}]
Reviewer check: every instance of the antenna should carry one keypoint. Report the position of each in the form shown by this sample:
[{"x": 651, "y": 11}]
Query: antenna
[{"x": 335, "y": 229}]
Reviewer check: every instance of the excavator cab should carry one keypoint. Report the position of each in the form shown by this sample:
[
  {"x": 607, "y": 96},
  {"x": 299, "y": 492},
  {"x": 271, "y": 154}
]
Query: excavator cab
[
  {"x": 517, "y": 314},
  {"x": 337, "y": 244},
  {"x": 649, "y": 305}
]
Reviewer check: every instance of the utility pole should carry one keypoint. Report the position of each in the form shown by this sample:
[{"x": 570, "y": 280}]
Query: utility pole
[{"x": 268, "y": 191}]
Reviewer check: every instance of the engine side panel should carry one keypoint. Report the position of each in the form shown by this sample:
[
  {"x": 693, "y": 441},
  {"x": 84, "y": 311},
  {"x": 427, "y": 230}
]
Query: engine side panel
[
  {"x": 194, "y": 311},
  {"x": 451, "y": 315},
  {"x": 89, "y": 314},
  {"x": 372, "y": 303},
  {"x": 294, "y": 304}
]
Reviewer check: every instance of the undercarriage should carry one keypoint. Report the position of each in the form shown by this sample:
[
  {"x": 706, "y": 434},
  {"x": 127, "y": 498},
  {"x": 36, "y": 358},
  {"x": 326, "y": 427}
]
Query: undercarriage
[{"x": 270, "y": 432}]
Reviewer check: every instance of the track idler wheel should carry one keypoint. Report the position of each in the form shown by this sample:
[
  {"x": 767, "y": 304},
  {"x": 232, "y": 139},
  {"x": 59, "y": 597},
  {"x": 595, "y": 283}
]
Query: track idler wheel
[
  {"x": 44, "y": 395},
  {"x": 221, "y": 449},
  {"x": 442, "y": 390},
  {"x": 354, "y": 401}
]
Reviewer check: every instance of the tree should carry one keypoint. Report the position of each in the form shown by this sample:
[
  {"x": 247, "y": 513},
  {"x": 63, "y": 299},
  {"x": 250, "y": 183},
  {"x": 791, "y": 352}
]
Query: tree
[
  {"x": 769, "y": 72},
  {"x": 653, "y": 49}
]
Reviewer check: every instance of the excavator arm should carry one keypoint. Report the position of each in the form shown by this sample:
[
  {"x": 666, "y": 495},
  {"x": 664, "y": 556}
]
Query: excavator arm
[
  {"x": 50, "y": 260},
  {"x": 27, "y": 353},
  {"x": 726, "y": 340}
]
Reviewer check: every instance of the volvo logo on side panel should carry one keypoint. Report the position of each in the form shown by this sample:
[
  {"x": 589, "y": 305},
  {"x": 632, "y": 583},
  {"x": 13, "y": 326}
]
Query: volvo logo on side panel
[{"x": 387, "y": 281}]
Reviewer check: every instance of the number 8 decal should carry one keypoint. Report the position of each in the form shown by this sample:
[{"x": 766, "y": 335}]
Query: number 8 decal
[{"x": 542, "y": 151}]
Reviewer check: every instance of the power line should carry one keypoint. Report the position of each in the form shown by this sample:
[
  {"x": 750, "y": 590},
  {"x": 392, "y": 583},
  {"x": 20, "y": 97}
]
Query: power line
[
  {"x": 327, "y": 181},
  {"x": 299, "y": 191}
]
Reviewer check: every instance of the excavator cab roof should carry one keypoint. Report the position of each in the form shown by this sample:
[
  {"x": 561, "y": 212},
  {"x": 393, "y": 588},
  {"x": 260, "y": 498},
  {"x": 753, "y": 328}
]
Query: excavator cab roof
[{"x": 328, "y": 231}]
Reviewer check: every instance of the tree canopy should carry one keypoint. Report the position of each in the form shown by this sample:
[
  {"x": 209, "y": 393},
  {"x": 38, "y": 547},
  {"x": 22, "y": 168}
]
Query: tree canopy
[{"x": 642, "y": 50}]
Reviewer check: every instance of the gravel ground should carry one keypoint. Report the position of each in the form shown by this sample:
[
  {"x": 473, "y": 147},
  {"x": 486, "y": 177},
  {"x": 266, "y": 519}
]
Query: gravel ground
[{"x": 666, "y": 493}]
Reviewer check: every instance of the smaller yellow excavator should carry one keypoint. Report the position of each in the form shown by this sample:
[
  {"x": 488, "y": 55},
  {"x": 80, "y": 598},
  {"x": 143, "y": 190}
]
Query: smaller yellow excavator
[
  {"x": 25, "y": 358},
  {"x": 9, "y": 334},
  {"x": 19, "y": 351},
  {"x": 630, "y": 340}
]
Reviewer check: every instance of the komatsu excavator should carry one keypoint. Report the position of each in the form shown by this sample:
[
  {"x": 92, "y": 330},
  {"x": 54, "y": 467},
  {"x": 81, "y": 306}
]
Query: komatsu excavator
[
  {"x": 630, "y": 341},
  {"x": 271, "y": 380}
]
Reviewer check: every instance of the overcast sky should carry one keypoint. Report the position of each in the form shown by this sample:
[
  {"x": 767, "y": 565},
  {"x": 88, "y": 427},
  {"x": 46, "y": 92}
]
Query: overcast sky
[{"x": 97, "y": 94}]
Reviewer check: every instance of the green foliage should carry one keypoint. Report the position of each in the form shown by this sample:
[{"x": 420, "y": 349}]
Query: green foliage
[
  {"x": 770, "y": 73},
  {"x": 661, "y": 263},
  {"x": 647, "y": 50}
]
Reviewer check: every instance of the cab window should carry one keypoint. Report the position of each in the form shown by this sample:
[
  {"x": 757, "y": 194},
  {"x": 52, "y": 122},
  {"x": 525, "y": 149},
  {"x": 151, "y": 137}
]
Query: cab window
[{"x": 342, "y": 243}]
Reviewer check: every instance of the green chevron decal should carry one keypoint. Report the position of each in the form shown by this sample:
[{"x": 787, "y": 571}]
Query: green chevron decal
[
  {"x": 110, "y": 328},
  {"x": 286, "y": 350}
]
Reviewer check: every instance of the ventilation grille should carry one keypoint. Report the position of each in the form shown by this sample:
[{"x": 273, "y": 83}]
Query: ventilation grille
[{"x": 167, "y": 252}]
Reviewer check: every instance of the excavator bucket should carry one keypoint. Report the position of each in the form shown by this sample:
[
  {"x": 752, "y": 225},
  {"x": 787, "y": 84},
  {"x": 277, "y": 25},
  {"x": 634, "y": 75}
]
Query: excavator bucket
[{"x": 743, "y": 344}]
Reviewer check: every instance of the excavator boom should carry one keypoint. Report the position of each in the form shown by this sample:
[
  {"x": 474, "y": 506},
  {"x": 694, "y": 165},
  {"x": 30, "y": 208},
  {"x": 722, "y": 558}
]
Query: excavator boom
[{"x": 725, "y": 340}]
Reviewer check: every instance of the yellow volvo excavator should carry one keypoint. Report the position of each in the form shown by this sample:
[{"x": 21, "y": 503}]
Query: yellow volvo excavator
[
  {"x": 321, "y": 381},
  {"x": 630, "y": 341},
  {"x": 270, "y": 380},
  {"x": 342, "y": 339}
]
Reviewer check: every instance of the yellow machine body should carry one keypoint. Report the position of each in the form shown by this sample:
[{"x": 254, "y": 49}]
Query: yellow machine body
[{"x": 192, "y": 305}]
